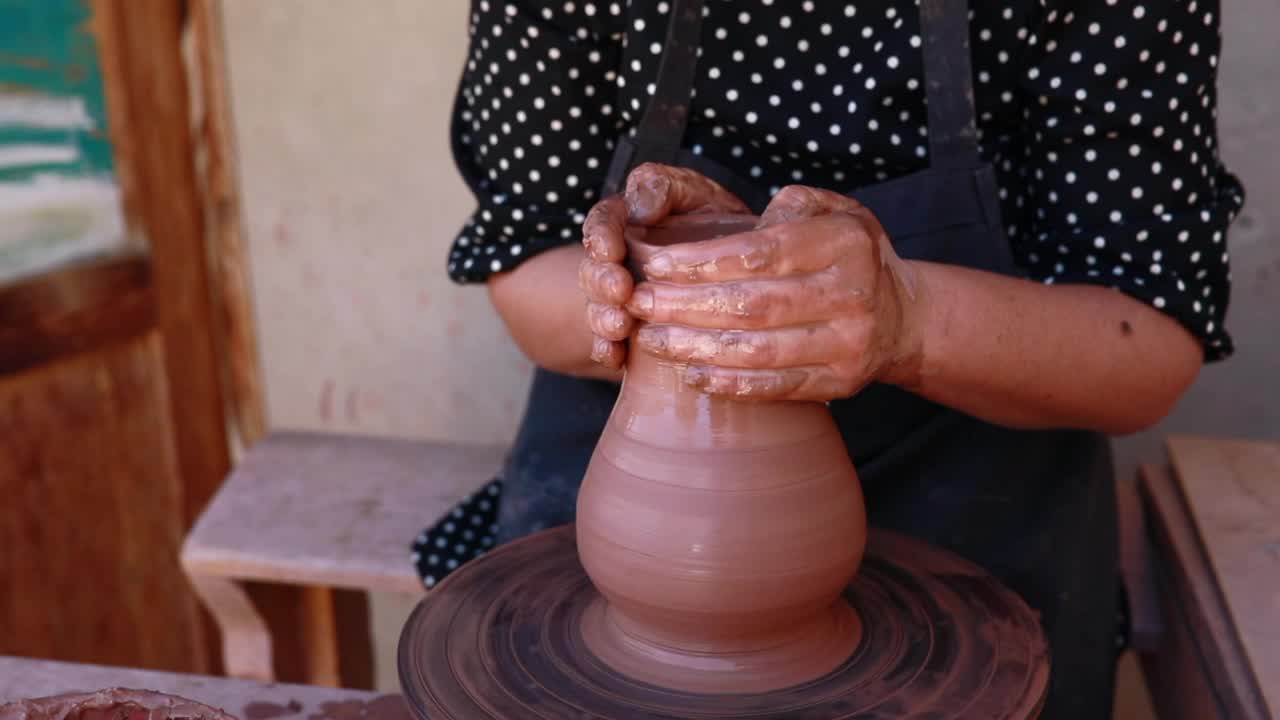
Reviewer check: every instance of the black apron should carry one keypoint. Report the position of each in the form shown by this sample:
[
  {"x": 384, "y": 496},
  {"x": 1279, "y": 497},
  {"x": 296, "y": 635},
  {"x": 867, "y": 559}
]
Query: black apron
[{"x": 1035, "y": 508}]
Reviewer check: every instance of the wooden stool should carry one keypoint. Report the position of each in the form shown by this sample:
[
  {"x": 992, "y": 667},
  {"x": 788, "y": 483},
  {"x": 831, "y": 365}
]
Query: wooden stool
[{"x": 320, "y": 511}]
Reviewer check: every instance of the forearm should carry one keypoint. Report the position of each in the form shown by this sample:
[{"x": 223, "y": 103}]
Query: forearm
[
  {"x": 1023, "y": 354},
  {"x": 544, "y": 311}
]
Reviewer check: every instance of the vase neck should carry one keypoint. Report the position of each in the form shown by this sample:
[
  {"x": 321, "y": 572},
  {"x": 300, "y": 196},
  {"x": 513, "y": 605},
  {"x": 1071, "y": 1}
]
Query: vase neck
[{"x": 658, "y": 405}]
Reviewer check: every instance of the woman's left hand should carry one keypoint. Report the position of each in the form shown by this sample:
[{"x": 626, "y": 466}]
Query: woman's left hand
[{"x": 812, "y": 305}]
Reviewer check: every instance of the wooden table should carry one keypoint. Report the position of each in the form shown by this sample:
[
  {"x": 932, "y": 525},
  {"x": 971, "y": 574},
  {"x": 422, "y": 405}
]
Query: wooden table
[
  {"x": 22, "y": 678},
  {"x": 1213, "y": 581},
  {"x": 321, "y": 511}
]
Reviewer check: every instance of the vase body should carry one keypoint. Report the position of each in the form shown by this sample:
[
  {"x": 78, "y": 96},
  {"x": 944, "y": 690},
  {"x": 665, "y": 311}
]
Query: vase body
[{"x": 720, "y": 532}]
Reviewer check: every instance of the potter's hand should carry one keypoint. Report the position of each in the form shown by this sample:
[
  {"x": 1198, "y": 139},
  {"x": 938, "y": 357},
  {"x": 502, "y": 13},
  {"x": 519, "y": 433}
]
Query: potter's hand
[
  {"x": 812, "y": 305},
  {"x": 653, "y": 192}
]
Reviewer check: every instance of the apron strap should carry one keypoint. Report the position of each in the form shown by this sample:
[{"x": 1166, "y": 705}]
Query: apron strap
[
  {"x": 948, "y": 74},
  {"x": 661, "y": 129}
]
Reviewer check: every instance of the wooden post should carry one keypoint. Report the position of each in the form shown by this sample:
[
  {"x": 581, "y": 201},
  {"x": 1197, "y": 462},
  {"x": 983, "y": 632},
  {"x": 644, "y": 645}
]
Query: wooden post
[
  {"x": 143, "y": 39},
  {"x": 140, "y": 44},
  {"x": 232, "y": 296}
]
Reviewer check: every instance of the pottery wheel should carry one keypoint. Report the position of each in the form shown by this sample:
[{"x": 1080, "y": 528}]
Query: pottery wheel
[{"x": 501, "y": 638}]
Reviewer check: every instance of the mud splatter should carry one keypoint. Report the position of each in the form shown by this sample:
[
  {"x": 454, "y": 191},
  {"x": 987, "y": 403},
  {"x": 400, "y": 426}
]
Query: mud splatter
[
  {"x": 386, "y": 707},
  {"x": 282, "y": 237},
  {"x": 353, "y": 406},
  {"x": 310, "y": 278},
  {"x": 325, "y": 405},
  {"x": 270, "y": 710}
]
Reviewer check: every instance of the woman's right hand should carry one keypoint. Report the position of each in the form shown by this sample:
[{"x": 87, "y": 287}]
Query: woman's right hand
[{"x": 653, "y": 193}]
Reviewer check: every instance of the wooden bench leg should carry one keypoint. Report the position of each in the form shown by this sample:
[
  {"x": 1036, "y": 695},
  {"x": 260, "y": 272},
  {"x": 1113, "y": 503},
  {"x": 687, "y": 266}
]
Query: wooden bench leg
[
  {"x": 321, "y": 637},
  {"x": 246, "y": 639}
]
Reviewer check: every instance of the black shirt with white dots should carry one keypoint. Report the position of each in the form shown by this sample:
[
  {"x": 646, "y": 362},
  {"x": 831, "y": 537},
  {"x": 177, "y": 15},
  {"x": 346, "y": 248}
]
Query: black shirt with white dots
[{"x": 1099, "y": 116}]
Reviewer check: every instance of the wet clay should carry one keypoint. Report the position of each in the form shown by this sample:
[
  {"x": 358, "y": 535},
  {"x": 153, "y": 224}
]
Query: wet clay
[
  {"x": 269, "y": 710},
  {"x": 504, "y": 638},
  {"x": 719, "y": 532},
  {"x": 111, "y": 704}
]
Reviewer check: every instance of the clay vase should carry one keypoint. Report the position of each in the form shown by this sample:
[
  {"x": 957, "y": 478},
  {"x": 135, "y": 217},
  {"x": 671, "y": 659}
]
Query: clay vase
[{"x": 719, "y": 532}]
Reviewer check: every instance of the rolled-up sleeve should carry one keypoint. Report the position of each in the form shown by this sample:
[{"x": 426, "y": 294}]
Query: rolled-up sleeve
[
  {"x": 1121, "y": 183},
  {"x": 533, "y": 127}
]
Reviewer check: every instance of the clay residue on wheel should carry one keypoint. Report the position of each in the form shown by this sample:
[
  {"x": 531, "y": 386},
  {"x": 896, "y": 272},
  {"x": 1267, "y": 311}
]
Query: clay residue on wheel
[{"x": 111, "y": 704}]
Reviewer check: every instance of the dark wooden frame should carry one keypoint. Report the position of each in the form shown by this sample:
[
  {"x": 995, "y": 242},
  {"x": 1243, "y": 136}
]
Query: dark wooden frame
[
  {"x": 73, "y": 310},
  {"x": 165, "y": 291},
  {"x": 149, "y": 103}
]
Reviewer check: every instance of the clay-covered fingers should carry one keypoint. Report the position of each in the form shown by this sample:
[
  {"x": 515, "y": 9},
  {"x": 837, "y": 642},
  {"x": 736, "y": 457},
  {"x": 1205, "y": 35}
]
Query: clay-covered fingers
[
  {"x": 602, "y": 231},
  {"x": 806, "y": 246},
  {"x": 741, "y": 304},
  {"x": 655, "y": 191},
  {"x": 794, "y": 202},
  {"x": 610, "y": 322},
  {"x": 607, "y": 287},
  {"x": 815, "y": 383},
  {"x": 608, "y": 283},
  {"x": 608, "y": 354},
  {"x": 605, "y": 281},
  {"x": 760, "y": 349},
  {"x": 745, "y": 304}
]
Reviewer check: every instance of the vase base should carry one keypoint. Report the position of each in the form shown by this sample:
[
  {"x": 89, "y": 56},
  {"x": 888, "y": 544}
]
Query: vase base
[{"x": 803, "y": 655}]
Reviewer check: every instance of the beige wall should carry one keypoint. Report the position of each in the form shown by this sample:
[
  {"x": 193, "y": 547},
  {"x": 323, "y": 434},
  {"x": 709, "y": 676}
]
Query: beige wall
[{"x": 350, "y": 198}]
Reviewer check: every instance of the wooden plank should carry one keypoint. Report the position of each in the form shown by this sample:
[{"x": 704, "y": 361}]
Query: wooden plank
[
  {"x": 22, "y": 678},
  {"x": 91, "y": 517},
  {"x": 1137, "y": 570},
  {"x": 219, "y": 173},
  {"x": 141, "y": 40},
  {"x": 1233, "y": 490},
  {"x": 148, "y": 108},
  {"x": 1175, "y": 673},
  {"x": 1183, "y": 561},
  {"x": 333, "y": 510},
  {"x": 74, "y": 310}
]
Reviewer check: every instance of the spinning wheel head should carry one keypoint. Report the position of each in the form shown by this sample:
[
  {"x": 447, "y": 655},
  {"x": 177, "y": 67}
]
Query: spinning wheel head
[{"x": 506, "y": 637}]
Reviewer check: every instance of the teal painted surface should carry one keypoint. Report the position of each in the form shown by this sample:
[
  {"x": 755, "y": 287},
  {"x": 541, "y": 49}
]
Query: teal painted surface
[
  {"x": 59, "y": 202},
  {"x": 48, "y": 53}
]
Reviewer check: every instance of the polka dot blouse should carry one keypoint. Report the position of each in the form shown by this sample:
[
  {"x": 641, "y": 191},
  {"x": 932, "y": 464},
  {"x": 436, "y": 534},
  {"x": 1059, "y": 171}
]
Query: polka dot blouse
[{"x": 1100, "y": 119}]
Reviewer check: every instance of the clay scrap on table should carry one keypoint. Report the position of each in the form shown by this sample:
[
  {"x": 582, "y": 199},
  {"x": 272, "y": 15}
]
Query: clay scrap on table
[{"x": 111, "y": 704}]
